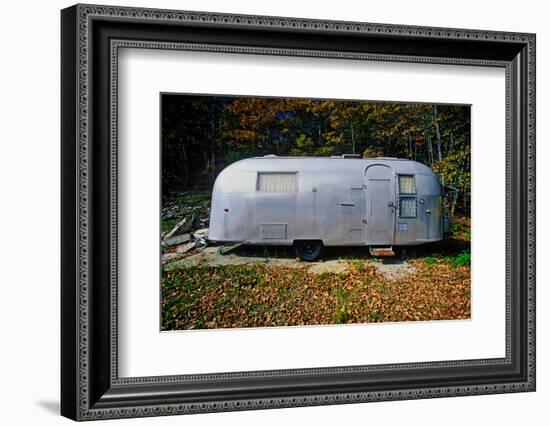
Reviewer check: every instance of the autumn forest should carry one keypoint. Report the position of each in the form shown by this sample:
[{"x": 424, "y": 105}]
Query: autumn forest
[{"x": 203, "y": 134}]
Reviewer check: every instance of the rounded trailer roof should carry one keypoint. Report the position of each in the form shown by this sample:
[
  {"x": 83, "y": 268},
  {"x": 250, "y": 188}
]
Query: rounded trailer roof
[{"x": 272, "y": 163}]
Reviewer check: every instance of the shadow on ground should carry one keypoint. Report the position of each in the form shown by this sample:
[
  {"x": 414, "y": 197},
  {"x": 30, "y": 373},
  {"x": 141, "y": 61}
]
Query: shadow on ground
[
  {"x": 447, "y": 247},
  {"x": 334, "y": 260},
  {"x": 51, "y": 407}
]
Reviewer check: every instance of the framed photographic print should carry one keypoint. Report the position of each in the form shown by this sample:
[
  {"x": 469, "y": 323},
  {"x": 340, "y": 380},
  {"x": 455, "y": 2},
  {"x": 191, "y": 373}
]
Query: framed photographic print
[{"x": 263, "y": 212}]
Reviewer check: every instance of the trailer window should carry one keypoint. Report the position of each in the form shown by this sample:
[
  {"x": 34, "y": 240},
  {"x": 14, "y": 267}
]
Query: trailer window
[
  {"x": 407, "y": 185},
  {"x": 277, "y": 182},
  {"x": 407, "y": 196},
  {"x": 407, "y": 206}
]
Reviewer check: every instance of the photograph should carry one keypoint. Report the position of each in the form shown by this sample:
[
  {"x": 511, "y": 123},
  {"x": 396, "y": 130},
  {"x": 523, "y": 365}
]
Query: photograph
[
  {"x": 284, "y": 211},
  {"x": 272, "y": 208}
]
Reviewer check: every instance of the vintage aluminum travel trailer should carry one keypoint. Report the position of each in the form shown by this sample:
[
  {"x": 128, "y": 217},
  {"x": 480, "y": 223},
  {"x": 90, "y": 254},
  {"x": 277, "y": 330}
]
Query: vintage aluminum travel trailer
[{"x": 311, "y": 202}]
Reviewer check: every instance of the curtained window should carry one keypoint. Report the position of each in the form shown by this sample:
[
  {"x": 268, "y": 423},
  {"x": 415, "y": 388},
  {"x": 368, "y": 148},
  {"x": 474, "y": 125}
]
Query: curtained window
[
  {"x": 277, "y": 182},
  {"x": 407, "y": 196}
]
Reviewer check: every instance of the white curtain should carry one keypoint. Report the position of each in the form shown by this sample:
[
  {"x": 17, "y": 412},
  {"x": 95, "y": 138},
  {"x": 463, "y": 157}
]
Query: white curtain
[
  {"x": 277, "y": 182},
  {"x": 407, "y": 206},
  {"x": 406, "y": 185}
]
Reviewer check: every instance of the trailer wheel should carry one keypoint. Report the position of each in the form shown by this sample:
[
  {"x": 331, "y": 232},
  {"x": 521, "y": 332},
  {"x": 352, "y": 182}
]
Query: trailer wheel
[{"x": 309, "y": 250}]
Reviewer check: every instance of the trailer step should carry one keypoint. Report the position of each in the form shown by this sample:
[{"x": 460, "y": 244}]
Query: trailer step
[{"x": 381, "y": 251}]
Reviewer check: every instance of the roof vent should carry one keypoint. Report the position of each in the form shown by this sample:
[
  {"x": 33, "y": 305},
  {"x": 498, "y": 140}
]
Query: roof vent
[
  {"x": 270, "y": 156},
  {"x": 346, "y": 156}
]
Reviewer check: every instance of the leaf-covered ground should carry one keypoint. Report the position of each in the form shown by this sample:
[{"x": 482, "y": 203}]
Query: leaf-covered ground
[{"x": 262, "y": 296}]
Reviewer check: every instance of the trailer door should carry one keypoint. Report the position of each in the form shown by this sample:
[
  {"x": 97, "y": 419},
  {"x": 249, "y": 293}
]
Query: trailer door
[{"x": 380, "y": 205}]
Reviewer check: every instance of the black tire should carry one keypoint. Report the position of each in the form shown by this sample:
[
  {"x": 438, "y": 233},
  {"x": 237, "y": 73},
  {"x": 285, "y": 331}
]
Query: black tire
[{"x": 308, "y": 251}]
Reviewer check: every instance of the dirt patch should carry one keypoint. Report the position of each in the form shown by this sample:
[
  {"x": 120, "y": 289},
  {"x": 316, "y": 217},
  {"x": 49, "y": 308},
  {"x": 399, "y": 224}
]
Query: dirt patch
[
  {"x": 330, "y": 266},
  {"x": 214, "y": 256},
  {"x": 394, "y": 268}
]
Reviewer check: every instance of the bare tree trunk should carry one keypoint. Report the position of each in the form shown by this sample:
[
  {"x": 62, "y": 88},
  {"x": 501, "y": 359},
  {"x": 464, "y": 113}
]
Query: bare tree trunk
[
  {"x": 453, "y": 204},
  {"x": 352, "y": 139},
  {"x": 426, "y": 149},
  {"x": 184, "y": 163},
  {"x": 319, "y": 135},
  {"x": 466, "y": 204},
  {"x": 206, "y": 154},
  {"x": 212, "y": 152},
  {"x": 438, "y": 134},
  {"x": 430, "y": 149}
]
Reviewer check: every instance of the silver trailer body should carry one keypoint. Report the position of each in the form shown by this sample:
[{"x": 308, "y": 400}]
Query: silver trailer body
[{"x": 339, "y": 201}]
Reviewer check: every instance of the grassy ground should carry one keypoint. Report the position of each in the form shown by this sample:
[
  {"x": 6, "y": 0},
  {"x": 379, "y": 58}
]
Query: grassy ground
[{"x": 266, "y": 295}]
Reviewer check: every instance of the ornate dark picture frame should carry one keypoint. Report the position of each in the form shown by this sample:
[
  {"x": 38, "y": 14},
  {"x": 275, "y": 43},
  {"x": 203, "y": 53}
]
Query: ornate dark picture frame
[{"x": 91, "y": 37}]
